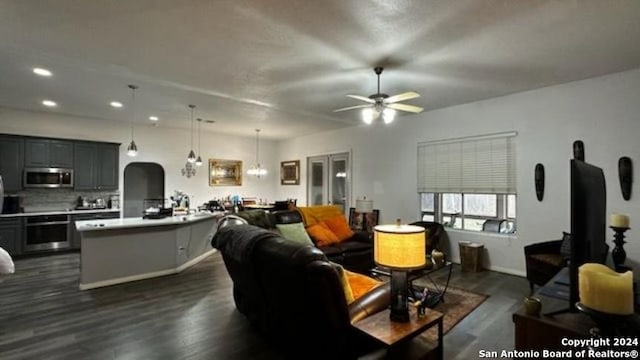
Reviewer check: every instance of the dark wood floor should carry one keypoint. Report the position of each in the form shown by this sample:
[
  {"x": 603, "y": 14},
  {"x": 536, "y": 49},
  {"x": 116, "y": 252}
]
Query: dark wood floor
[{"x": 190, "y": 315}]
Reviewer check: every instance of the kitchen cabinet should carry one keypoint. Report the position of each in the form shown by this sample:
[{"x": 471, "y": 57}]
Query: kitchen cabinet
[
  {"x": 75, "y": 237},
  {"x": 48, "y": 153},
  {"x": 11, "y": 235},
  {"x": 96, "y": 166},
  {"x": 11, "y": 162}
]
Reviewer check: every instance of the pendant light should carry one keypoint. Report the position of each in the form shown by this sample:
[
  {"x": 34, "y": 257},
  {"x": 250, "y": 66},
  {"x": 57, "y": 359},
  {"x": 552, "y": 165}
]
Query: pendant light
[
  {"x": 199, "y": 159},
  {"x": 191, "y": 158},
  {"x": 132, "y": 149},
  {"x": 257, "y": 170}
]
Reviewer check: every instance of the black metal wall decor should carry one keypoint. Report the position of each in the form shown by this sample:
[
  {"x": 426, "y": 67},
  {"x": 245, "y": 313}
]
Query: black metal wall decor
[
  {"x": 539, "y": 181},
  {"x": 625, "y": 173},
  {"x": 578, "y": 150}
]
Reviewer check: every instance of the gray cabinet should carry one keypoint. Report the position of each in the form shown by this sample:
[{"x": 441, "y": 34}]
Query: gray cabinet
[
  {"x": 96, "y": 166},
  {"x": 61, "y": 154},
  {"x": 11, "y": 162},
  {"x": 11, "y": 235},
  {"x": 48, "y": 153},
  {"x": 75, "y": 237}
]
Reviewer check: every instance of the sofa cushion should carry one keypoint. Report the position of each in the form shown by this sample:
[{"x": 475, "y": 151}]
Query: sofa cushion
[
  {"x": 322, "y": 235},
  {"x": 315, "y": 214},
  {"x": 294, "y": 232},
  {"x": 344, "y": 281},
  {"x": 256, "y": 217},
  {"x": 351, "y": 246},
  {"x": 360, "y": 284},
  {"x": 338, "y": 225}
]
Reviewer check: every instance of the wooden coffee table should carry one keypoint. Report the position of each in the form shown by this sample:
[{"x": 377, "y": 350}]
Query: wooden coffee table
[{"x": 392, "y": 334}]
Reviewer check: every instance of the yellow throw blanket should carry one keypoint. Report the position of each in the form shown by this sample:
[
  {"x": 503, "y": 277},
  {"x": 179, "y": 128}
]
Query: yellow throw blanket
[{"x": 312, "y": 215}]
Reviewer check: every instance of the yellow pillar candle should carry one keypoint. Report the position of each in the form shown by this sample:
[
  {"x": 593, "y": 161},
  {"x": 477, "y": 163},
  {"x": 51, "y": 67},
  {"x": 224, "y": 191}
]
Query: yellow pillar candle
[
  {"x": 619, "y": 220},
  {"x": 605, "y": 290}
]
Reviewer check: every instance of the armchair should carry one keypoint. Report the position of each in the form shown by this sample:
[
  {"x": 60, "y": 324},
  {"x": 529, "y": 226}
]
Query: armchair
[{"x": 543, "y": 261}]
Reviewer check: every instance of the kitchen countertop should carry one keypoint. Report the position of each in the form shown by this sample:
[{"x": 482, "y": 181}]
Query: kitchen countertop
[
  {"x": 126, "y": 223},
  {"x": 58, "y": 212}
]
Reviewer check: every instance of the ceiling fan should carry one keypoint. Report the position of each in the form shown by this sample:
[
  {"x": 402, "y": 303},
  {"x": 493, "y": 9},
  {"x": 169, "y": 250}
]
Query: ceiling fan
[{"x": 383, "y": 105}]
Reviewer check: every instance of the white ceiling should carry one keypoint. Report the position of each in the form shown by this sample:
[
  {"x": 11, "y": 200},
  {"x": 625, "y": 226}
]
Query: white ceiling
[{"x": 284, "y": 65}]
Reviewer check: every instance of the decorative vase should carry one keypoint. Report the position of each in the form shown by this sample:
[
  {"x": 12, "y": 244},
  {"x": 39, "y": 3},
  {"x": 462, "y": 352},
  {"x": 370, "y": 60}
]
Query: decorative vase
[{"x": 437, "y": 257}]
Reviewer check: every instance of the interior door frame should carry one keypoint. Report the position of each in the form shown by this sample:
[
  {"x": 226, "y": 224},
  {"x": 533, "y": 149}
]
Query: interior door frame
[{"x": 326, "y": 192}]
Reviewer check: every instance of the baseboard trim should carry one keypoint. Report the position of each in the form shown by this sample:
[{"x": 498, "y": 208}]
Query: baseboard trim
[
  {"x": 149, "y": 275},
  {"x": 508, "y": 271},
  {"x": 499, "y": 269},
  {"x": 195, "y": 260}
]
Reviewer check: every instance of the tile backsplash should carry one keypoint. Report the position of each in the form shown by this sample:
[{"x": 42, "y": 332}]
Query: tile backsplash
[{"x": 56, "y": 199}]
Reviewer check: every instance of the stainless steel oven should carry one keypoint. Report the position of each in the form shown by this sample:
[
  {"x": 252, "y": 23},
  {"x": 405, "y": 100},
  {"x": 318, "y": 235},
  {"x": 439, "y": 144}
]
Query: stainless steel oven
[
  {"x": 46, "y": 232},
  {"x": 48, "y": 178}
]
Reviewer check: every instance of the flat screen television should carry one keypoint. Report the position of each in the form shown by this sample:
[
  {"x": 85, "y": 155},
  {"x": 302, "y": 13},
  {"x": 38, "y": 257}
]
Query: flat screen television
[{"x": 588, "y": 221}]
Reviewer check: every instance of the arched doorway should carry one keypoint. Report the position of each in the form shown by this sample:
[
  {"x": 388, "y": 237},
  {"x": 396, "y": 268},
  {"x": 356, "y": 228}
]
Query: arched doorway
[{"x": 142, "y": 180}]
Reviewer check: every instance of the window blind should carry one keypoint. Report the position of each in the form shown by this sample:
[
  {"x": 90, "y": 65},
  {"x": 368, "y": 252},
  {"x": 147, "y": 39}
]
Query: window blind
[{"x": 480, "y": 164}]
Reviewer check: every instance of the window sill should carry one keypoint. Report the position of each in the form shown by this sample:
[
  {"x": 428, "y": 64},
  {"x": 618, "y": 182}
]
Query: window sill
[{"x": 483, "y": 233}]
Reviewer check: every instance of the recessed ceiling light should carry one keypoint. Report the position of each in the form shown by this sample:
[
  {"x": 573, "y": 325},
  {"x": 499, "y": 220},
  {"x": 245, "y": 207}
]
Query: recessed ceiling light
[
  {"x": 41, "y": 72},
  {"x": 49, "y": 103},
  {"x": 153, "y": 118},
  {"x": 116, "y": 104}
]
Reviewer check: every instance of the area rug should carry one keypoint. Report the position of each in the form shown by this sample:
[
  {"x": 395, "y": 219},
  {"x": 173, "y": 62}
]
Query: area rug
[{"x": 458, "y": 303}]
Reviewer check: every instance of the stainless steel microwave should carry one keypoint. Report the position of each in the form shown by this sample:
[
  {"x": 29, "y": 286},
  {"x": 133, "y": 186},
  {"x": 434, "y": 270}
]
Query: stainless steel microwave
[{"x": 48, "y": 178}]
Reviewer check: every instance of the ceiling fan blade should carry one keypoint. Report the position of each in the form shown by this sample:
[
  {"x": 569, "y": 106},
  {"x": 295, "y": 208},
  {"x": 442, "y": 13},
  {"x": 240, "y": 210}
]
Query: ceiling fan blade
[
  {"x": 352, "y": 108},
  {"x": 402, "y": 97},
  {"x": 405, "y": 107},
  {"x": 363, "y": 98}
]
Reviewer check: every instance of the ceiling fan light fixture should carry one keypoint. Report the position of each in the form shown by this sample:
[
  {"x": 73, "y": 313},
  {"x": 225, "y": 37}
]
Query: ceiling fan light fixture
[
  {"x": 368, "y": 115},
  {"x": 388, "y": 115}
]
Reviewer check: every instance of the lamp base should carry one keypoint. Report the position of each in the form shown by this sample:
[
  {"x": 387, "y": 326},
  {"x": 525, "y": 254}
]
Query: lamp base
[{"x": 399, "y": 308}]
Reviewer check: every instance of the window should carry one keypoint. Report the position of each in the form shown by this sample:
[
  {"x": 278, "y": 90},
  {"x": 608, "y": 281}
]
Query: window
[
  {"x": 465, "y": 182},
  {"x": 469, "y": 211}
]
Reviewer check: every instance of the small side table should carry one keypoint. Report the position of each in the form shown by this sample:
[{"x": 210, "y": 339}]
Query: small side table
[{"x": 392, "y": 334}]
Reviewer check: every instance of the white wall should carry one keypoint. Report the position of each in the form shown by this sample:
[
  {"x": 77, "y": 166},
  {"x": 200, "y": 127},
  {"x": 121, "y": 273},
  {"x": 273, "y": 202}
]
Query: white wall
[
  {"x": 604, "y": 112},
  {"x": 167, "y": 147}
]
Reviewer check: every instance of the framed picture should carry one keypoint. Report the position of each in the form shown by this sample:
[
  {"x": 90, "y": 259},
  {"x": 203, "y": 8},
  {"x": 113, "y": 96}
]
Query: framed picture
[
  {"x": 290, "y": 172},
  {"x": 363, "y": 222},
  {"x": 225, "y": 172}
]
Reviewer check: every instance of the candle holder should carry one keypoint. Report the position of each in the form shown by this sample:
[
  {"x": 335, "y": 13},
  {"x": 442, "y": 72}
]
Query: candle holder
[
  {"x": 608, "y": 325},
  {"x": 618, "y": 254}
]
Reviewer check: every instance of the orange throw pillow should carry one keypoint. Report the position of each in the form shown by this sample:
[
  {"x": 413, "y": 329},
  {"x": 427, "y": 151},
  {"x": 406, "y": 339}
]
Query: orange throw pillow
[
  {"x": 360, "y": 284},
  {"x": 322, "y": 235},
  {"x": 338, "y": 225}
]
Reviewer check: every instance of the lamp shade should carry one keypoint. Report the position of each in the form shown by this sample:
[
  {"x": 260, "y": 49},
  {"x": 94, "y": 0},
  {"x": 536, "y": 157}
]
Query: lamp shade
[
  {"x": 399, "y": 247},
  {"x": 364, "y": 206}
]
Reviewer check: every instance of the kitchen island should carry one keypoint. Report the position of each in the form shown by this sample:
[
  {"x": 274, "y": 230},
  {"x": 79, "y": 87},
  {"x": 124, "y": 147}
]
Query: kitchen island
[{"x": 115, "y": 251}]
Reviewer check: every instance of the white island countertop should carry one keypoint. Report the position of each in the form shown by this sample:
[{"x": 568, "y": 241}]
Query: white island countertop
[{"x": 126, "y": 223}]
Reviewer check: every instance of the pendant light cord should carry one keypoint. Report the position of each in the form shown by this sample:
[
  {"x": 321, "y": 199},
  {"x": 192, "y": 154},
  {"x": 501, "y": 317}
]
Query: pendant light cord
[
  {"x": 199, "y": 123},
  {"x": 133, "y": 105},
  {"x": 191, "y": 132},
  {"x": 258, "y": 147}
]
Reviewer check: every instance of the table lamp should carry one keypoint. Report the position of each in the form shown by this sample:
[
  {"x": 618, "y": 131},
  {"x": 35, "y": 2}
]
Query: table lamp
[
  {"x": 364, "y": 207},
  {"x": 400, "y": 248}
]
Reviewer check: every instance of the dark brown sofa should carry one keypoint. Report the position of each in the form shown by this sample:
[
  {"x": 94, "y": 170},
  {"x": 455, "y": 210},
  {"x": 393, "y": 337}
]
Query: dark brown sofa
[
  {"x": 292, "y": 294},
  {"x": 355, "y": 253}
]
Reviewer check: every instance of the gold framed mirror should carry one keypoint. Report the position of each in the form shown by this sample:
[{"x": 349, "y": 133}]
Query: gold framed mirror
[{"x": 225, "y": 172}]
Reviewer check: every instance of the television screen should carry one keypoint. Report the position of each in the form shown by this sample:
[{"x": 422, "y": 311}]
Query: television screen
[{"x": 588, "y": 220}]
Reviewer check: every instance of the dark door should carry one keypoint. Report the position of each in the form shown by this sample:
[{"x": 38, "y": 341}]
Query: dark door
[
  {"x": 141, "y": 181},
  {"x": 36, "y": 153},
  {"x": 108, "y": 164},
  {"x": 61, "y": 154},
  {"x": 11, "y": 235},
  {"x": 11, "y": 162},
  {"x": 85, "y": 156}
]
